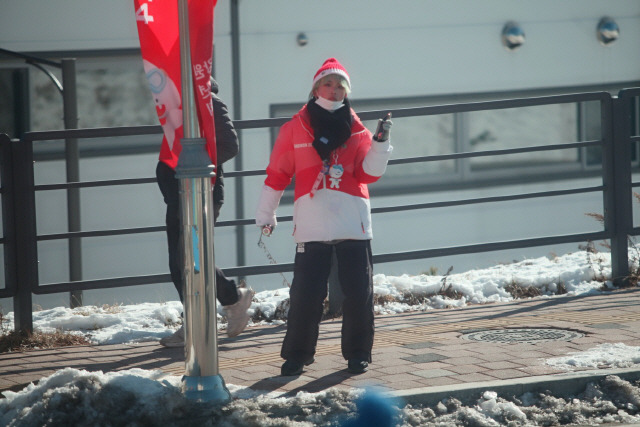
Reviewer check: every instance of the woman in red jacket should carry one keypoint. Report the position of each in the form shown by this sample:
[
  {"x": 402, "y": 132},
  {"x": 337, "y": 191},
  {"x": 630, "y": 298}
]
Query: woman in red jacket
[{"x": 332, "y": 156}]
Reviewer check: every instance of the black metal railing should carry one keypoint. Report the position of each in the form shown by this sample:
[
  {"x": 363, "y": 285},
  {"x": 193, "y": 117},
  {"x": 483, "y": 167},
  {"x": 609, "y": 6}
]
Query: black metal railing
[{"x": 18, "y": 190}]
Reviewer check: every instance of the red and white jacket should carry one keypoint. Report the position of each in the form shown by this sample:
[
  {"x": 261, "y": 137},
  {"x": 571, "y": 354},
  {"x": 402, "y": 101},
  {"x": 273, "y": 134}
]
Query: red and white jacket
[{"x": 339, "y": 207}]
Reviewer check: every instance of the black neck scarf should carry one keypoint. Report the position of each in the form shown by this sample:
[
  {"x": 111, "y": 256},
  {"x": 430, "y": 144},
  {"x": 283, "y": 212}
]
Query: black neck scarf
[{"x": 330, "y": 129}]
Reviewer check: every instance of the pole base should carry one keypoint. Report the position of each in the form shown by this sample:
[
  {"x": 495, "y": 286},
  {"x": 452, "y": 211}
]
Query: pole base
[{"x": 206, "y": 389}]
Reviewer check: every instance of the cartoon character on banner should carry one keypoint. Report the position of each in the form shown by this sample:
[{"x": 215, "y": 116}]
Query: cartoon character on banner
[
  {"x": 167, "y": 99},
  {"x": 335, "y": 175}
]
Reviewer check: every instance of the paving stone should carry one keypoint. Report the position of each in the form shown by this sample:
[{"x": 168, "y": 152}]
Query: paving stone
[
  {"x": 421, "y": 345},
  {"x": 503, "y": 374},
  {"x": 474, "y": 377},
  {"x": 397, "y": 369},
  {"x": 466, "y": 369},
  {"x": 424, "y": 358},
  {"x": 607, "y": 326},
  {"x": 434, "y": 373},
  {"x": 469, "y": 360}
]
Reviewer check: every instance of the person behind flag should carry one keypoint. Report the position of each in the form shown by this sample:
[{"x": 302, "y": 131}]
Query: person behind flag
[
  {"x": 235, "y": 299},
  {"x": 332, "y": 156}
]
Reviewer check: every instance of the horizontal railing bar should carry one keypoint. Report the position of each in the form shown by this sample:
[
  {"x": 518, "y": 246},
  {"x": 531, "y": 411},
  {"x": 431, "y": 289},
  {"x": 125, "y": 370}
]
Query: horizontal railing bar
[
  {"x": 489, "y": 247},
  {"x": 126, "y": 181},
  {"x": 487, "y": 105},
  {"x": 92, "y": 133},
  {"x": 114, "y": 282},
  {"x": 254, "y": 270},
  {"x": 487, "y": 153},
  {"x": 7, "y": 293},
  {"x": 139, "y": 230},
  {"x": 478, "y": 200},
  {"x": 629, "y": 92},
  {"x": 101, "y": 233},
  {"x": 88, "y": 184},
  {"x": 234, "y": 174},
  {"x": 260, "y": 123},
  {"x": 250, "y": 221}
]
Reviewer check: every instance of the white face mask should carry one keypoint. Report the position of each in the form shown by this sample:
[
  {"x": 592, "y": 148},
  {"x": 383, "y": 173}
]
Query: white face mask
[{"x": 329, "y": 105}]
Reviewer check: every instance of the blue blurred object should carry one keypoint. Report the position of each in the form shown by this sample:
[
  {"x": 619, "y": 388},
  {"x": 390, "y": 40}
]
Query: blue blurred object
[{"x": 373, "y": 409}]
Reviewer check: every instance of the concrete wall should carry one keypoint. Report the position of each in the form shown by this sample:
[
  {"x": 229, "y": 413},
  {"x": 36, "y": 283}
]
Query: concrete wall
[{"x": 391, "y": 49}]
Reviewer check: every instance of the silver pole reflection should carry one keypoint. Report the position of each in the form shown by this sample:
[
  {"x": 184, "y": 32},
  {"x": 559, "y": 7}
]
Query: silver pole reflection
[{"x": 201, "y": 381}]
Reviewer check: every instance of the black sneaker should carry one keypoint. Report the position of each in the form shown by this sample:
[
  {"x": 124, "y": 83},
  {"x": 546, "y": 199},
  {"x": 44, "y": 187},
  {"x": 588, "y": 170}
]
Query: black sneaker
[
  {"x": 357, "y": 366},
  {"x": 291, "y": 368}
]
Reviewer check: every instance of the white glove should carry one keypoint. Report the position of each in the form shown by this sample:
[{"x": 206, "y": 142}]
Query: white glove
[{"x": 267, "y": 205}]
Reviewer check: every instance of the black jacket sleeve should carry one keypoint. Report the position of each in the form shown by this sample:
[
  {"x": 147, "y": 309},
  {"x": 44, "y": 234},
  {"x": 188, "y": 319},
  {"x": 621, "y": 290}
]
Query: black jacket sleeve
[
  {"x": 226, "y": 136},
  {"x": 227, "y": 145}
]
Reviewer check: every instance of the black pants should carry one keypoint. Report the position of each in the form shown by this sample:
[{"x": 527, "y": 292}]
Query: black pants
[
  {"x": 309, "y": 290},
  {"x": 226, "y": 290}
]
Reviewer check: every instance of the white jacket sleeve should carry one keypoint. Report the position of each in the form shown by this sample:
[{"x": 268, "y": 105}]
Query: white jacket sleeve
[
  {"x": 375, "y": 162},
  {"x": 267, "y": 205}
]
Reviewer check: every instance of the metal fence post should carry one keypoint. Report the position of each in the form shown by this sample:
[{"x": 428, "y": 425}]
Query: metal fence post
[
  {"x": 618, "y": 210},
  {"x": 25, "y": 244},
  {"x": 241, "y": 250},
  {"x": 8, "y": 226},
  {"x": 72, "y": 162}
]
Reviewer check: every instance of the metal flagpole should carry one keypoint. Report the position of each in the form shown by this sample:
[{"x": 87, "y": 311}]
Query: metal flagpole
[{"x": 202, "y": 380}]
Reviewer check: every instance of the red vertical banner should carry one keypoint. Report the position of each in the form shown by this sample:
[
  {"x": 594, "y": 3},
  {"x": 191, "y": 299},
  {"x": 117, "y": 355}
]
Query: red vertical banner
[{"x": 159, "y": 33}]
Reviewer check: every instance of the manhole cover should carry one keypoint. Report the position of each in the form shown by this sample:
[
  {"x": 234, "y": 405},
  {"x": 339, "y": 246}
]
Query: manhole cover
[{"x": 522, "y": 335}]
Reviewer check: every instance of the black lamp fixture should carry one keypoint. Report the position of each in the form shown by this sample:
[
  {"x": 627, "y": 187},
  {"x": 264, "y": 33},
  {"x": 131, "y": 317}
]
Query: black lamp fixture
[
  {"x": 512, "y": 35},
  {"x": 302, "y": 39},
  {"x": 607, "y": 31}
]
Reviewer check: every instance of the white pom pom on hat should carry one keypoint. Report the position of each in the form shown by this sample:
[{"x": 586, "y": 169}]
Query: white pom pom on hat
[{"x": 332, "y": 66}]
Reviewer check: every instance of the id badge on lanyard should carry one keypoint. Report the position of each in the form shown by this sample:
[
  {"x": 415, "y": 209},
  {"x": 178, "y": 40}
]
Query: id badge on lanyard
[{"x": 323, "y": 172}]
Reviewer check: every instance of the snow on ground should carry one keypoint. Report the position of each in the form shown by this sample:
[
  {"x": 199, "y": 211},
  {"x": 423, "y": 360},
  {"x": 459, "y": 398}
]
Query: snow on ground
[
  {"x": 616, "y": 355},
  {"x": 573, "y": 273},
  {"x": 139, "y": 397},
  {"x": 151, "y": 398}
]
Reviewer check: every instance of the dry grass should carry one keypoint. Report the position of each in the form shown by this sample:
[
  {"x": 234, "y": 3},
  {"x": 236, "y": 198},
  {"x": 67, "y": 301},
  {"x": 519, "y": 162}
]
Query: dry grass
[
  {"x": 519, "y": 292},
  {"x": 106, "y": 309},
  {"x": 21, "y": 341},
  {"x": 634, "y": 275},
  {"x": 382, "y": 299}
]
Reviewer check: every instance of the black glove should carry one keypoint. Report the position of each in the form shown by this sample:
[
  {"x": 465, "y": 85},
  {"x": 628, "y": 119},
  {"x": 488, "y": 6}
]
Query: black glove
[{"x": 384, "y": 126}]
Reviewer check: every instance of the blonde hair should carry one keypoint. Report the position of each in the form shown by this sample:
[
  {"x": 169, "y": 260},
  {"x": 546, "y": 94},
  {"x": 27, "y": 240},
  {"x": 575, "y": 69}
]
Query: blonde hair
[{"x": 343, "y": 82}]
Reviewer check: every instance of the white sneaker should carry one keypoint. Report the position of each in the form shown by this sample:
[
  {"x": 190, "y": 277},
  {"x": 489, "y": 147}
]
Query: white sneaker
[
  {"x": 174, "y": 340},
  {"x": 237, "y": 316}
]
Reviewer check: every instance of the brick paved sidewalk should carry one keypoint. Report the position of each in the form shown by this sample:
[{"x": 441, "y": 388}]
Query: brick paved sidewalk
[{"x": 411, "y": 350}]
